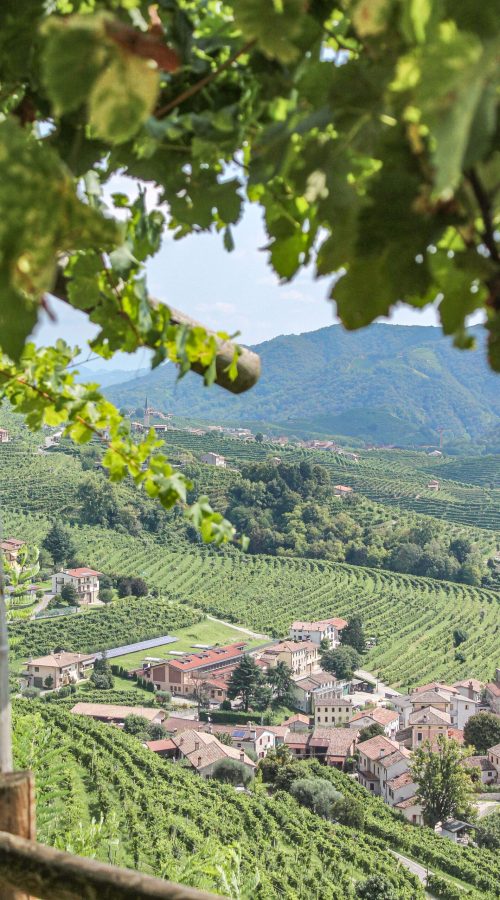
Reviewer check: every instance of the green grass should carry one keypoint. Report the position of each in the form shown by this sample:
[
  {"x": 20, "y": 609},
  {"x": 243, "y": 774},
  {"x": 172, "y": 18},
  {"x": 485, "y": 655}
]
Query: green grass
[{"x": 204, "y": 632}]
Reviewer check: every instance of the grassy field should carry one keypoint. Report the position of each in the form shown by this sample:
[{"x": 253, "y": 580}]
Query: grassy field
[{"x": 204, "y": 632}]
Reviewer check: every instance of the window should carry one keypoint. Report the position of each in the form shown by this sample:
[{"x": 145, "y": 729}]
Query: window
[
  {"x": 37, "y": 669},
  {"x": 419, "y": 736}
]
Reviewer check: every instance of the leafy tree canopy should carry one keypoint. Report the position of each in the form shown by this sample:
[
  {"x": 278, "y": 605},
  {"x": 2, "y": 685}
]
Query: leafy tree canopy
[
  {"x": 482, "y": 731},
  {"x": 353, "y": 635},
  {"x": 444, "y": 784},
  {"x": 370, "y": 731},
  {"x": 367, "y": 135},
  {"x": 341, "y": 662}
]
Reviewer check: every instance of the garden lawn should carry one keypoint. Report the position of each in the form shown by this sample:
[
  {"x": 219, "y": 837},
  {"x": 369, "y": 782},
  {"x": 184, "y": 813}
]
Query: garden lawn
[{"x": 204, "y": 632}]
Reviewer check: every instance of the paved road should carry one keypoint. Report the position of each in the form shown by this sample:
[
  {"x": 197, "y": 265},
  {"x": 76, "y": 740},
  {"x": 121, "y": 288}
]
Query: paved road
[
  {"x": 44, "y": 602},
  {"x": 382, "y": 689},
  {"x": 485, "y": 807},
  {"x": 253, "y": 634},
  {"x": 415, "y": 867}
]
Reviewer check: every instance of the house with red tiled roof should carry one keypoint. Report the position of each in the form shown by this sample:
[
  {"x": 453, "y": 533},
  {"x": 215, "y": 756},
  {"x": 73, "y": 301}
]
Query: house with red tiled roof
[
  {"x": 470, "y": 687},
  {"x": 324, "y": 629},
  {"x": 332, "y": 746},
  {"x": 494, "y": 759},
  {"x": 388, "y": 719},
  {"x": 302, "y": 657},
  {"x": 84, "y": 580},
  {"x": 183, "y": 675},
  {"x": 486, "y": 772},
  {"x": 309, "y": 689},
  {"x": 203, "y": 751},
  {"x": 492, "y": 696},
  {"x": 384, "y": 770},
  {"x": 58, "y": 669},
  {"x": 298, "y": 722},
  {"x": 10, "y": 549},
  {"x": 447, "y": 698},
  {"x": 114, "y": 714},
  {"x": 427, "y": 724}
]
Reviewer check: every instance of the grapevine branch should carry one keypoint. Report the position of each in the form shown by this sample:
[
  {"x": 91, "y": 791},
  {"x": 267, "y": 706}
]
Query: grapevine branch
[
  {"x": 484, "y": 203},
  {"x": 199, "y": 85}
]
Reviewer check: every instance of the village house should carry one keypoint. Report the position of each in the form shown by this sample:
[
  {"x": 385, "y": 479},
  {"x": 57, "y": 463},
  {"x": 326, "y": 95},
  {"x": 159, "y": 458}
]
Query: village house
[
  {"x": 203, "y": 751},
  {"x": 486, "y": 769},
  {"x": 492, "y": 695},
  {"x": 332, "y": 746},
  {"x": 383, "y": 769},
  {"x": 4, "y": 436},
  {"x": 10, "y": 549},
  {"x": 333, "y": 712},
  {"x": 308, "y": 690},
  {"x": 113, "y": 714},
  {"x": 427, "y": 724},
  {"x": 372, "y": 774},
  {"x": 58, "y": 669},
  {"x": 84, "y": 580},
  {"x": 447, "y": 698},
  {"x": 257, "y": 738},
  {"x": 302, "y": 657},
  {"x": 214, "y": 459},
  {"x": 325, "y": 629},
  {"x": 182, "y": 676},
  {"x": 388, "y": 719},
  {"x": 494, "y": 759},
  {"x": 297, "y": 723},
  {"x": 433, "y": 485},
  {"x": 342, "y": 490},
  {"x": 470, "y": 688}
]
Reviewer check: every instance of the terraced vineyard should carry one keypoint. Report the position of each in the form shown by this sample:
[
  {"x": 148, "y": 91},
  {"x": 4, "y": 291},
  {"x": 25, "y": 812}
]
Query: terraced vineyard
[
  {"x": 469, "y": 489},
  {"x": 101, "y": 793},
  {"x": 412, "y": 618}
]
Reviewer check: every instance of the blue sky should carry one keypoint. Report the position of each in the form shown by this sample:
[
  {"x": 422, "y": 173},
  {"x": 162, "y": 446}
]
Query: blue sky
[{"x": 230, "y": 291}]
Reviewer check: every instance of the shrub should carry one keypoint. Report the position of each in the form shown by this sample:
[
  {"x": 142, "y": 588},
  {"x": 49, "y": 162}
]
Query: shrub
[
  {"x": 232, "y": 771},
  {"x": 441, "y": 887},
  {"x": 317, "y": 794}
]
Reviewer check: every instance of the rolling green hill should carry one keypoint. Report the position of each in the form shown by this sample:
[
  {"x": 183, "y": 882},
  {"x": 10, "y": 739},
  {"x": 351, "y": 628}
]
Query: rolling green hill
[
  {"x": 385, "y": 384},
  {"x": 101, "y": 793}
]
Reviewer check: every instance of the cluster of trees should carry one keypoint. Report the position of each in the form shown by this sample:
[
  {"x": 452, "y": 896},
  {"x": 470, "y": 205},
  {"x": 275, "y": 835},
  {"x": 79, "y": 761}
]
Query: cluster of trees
[
  {"x": 128, "y": 512},
  {"x": 101, "y": 678},
  {"x": 290, "y": 509},
  {"x": 257, "y": 690},
  {"x": 142, "y": 729},
  {"x": 344, "y": 660},
  {"x": 286, "y": 773}
]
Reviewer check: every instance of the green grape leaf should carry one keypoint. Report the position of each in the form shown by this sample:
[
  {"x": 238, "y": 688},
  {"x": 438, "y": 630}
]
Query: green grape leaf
[
  {"x": 123, "y": 97},
  {"x": 276, "y": 26},
  {"x": 41, "y": 216},
  {"x": 74, "y": 54}
]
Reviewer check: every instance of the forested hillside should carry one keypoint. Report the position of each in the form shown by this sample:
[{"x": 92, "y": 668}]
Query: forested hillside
[{"x": 386, "y": 384}]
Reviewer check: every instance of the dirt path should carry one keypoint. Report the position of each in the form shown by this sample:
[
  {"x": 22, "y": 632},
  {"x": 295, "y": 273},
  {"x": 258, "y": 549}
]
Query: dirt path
[{"x": 253, "y": 634}]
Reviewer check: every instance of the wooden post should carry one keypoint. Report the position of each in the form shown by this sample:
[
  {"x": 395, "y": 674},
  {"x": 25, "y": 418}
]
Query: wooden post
[{"x": 17, "y": 815}]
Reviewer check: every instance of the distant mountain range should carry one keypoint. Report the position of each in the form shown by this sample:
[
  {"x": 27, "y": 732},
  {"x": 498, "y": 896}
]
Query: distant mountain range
[{"x": 383, "y": 384}]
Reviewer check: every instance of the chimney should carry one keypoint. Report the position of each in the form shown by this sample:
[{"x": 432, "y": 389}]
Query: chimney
[
  {"x": 199, "y": 762},
  {"x": 242, "y": 756},
  {"x": 196, "y": 745}
]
